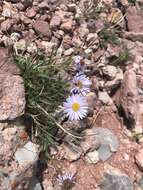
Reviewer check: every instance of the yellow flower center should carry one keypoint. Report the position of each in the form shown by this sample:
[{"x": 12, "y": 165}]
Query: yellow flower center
[
  {"x": 76, "y": 106},
  {"x": 80, "y": 84}
]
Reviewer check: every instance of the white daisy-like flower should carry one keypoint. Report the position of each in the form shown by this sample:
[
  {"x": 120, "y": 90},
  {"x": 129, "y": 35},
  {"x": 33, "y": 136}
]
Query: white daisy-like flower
[
  {"x": 81, "y": 84},
  {"x": 76, "y": 107},
  {"x": 66, "y": 177}
]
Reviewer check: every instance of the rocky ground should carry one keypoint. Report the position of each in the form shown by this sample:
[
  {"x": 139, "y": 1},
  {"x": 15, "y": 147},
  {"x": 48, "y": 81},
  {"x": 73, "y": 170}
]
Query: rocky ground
[{"x": 108, "y": 35}]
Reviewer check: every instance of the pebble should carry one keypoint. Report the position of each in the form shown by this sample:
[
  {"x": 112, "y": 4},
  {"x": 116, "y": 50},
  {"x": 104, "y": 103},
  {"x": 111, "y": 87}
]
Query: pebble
[
  {"x": 110, "y": 71},
  {"x": 67, "y": 26},
  {"x": 69, "y": 154},
  {"x": 28, "y": 154},
  {"x": 32, "y": 48},
  {"x": 42, "y": 27},
  {"x": 20, "y": 46},
  {"x": 6, "y": 25},
  {"x": 105, "y": 98},
  {"x": 31, "y": 13},
  {"x": 92, "y": 157},
  {"x": 68, "y": 52},
  {"x": 55, "y": 22}
]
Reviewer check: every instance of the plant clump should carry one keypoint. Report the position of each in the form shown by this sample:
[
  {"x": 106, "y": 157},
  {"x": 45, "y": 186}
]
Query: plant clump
[{"x": 45, "y": 91}]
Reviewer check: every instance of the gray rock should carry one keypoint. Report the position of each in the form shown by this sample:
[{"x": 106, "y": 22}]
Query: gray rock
[
  {"x": 101, "y": 139},
  {"x": 20, "y": 46},
  {"x": 109, "y": 143},
  {"x": 105, "y": 136},
  {"x": 116, "y": 182},
  {"x": 104, "y": 152}
]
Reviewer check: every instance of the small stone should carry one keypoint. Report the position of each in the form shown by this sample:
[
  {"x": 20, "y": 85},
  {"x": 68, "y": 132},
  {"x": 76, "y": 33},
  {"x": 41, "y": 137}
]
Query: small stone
[
  {"x": 48, "y": 46},
  {"x": 31, "y": 13},
  {"x": 20, "y": 46},
  {"x": 55, "y": 22},
  {"x": 27, "y": 3},
  {"x": 6, "y": 25},
  {"x": 25, "y": 19},
  {"x": 7, "y": 12},
  {"x": 92, "y": 157},
  {"x": 110, "y": 71},
  {"x": 67, "y": 42},
  {"x": 27, "y": 155},
  {"x": 67, "y": 26},
  {"x": 104, "y": 152},
  {"x": 32, "y": 48},
  {"x": 88, "y": 51},
  {"x": 104, "y": 141},
  {"x": 43, "y": 5},
  {"x": 92, "y": 38},
  {"x": 105, "y": 98},
  {"x": 70, "y": 154},
  {"x": 68, "y": 52},
  {"x": 75, "y": 125},
  {"x": 83, "y": 30},
  {"x": 42, "y": 27},
  {"x": 20, "y": 6}
]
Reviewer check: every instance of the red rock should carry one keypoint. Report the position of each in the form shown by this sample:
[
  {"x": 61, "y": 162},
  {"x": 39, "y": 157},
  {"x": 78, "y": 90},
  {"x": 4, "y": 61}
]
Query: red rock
[
  {"x": 126, "y": 98},
  {"x": 12, "y": 95},
  {"x": 42, "y": 27}
]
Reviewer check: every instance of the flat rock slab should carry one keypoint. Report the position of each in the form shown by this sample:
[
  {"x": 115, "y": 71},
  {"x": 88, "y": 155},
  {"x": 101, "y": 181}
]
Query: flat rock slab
[{"x": 12, "y": 93}]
